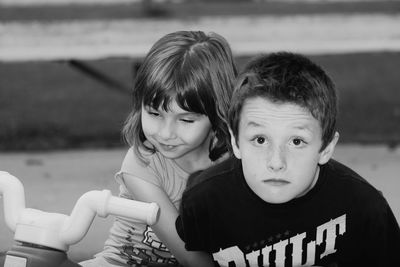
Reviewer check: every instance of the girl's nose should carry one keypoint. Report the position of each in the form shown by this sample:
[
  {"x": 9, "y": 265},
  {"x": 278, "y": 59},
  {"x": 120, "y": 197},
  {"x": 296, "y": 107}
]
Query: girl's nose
[
  {"x": 167, "y": 130},
  {"x": 276, "y": 160}
]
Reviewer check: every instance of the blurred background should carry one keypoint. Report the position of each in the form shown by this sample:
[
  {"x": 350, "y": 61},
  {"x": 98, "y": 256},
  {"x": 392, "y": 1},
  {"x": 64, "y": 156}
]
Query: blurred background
[{"x": 67, "y": 66}]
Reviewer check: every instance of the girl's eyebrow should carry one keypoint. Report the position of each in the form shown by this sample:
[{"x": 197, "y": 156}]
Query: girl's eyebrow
[
  {"x": 189, "y": 113},
  {"x": 183, "y": 113},
  {"x": 148, "y": 106}
]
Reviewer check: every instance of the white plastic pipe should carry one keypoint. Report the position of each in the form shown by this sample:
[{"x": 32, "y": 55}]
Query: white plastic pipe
[
  {"x": 13, "y": 194},
  {"x": 58, "y": 230},
  {"x": 103, "y": 203},
  {"x": 136, "y": 210}
]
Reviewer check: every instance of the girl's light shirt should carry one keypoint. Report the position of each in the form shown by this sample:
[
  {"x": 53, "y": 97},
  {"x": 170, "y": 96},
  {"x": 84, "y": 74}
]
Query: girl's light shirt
[{"x": 131, "y": 242}]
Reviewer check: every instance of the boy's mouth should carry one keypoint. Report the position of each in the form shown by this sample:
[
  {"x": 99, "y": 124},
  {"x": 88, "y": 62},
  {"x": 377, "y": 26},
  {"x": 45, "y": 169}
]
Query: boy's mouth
[{"x": 276, "y": 182}]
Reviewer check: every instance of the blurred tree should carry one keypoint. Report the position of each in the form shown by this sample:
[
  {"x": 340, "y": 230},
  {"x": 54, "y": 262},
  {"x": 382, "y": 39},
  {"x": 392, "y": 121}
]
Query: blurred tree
[{"x": 155, "y": 8}]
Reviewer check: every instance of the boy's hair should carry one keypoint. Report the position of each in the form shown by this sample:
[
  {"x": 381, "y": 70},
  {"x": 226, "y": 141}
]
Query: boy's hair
[
  {"x": 287, "y": 78},
  {"x": 196, "y": 70}
]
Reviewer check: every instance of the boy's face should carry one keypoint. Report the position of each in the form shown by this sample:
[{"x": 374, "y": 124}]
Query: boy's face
[{"x": 279, "y": 145}]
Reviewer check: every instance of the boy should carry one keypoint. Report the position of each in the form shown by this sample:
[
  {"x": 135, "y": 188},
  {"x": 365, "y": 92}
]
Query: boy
[{"x": 283, "y": 201}]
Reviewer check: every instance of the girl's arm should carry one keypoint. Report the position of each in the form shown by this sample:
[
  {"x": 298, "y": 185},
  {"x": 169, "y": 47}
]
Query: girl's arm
[{"x": 165, "y": 227}]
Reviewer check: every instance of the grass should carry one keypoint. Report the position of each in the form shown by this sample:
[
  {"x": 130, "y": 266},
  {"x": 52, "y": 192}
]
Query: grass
[{"x": 49, "y": 105}]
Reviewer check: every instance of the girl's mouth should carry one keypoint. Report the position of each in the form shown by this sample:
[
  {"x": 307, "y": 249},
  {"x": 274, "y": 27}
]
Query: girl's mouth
[{"x": 167, "y": 147}]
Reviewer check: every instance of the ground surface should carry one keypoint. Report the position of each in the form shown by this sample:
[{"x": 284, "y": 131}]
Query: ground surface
[{"x": 54, "y": 181}]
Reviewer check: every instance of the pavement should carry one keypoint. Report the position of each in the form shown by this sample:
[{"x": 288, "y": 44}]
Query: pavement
[
  {"x": 95, "y": 39},
  {"x": 54, "y": 181}
]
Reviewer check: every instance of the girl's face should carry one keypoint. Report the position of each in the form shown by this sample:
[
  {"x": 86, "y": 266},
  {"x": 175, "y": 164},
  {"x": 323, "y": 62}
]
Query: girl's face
[{"x": 176, "y": 133}]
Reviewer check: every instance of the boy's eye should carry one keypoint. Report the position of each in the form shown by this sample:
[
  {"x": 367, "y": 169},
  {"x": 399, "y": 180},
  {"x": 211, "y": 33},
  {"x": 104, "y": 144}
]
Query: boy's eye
[
  {"x": 298, "y": 142},
  {"x": 260, "y": 140}
]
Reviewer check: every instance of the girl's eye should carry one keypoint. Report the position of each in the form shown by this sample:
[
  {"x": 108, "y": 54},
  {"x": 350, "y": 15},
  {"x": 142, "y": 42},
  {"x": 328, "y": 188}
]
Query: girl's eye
[
  {"x": 191, "y": 118},
  {"x": 153, "y": 112},
  {"x": 187, "y": 120}
]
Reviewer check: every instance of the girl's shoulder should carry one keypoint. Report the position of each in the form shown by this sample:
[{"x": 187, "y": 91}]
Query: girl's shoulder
[
  {"x": 150, "y": 166},
  {"x": 133, "y": 162}
]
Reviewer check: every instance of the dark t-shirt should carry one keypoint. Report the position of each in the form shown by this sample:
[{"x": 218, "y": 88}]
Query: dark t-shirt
[{"x": 342, "y": 221}]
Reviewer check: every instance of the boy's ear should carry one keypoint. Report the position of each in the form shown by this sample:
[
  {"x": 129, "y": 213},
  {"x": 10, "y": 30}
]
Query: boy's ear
[
  {"x": 327, "y": 153},
  {"x": 235, "y": 148}
]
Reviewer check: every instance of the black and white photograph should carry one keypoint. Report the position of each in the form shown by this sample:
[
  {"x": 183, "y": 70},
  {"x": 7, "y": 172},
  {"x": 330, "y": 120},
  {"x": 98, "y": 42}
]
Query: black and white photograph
[{"x": 199, "y": 133}]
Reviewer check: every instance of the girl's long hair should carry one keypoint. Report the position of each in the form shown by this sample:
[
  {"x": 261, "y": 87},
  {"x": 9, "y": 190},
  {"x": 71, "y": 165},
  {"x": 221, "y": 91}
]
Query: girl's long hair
[{"x": 194, "y": 69}]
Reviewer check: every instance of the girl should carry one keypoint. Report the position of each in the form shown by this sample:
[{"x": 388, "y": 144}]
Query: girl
[{"x": 177, "y": 127}]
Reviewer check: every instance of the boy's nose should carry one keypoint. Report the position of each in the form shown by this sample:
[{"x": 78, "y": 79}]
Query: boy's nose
[{"x": 276, "y": 159}]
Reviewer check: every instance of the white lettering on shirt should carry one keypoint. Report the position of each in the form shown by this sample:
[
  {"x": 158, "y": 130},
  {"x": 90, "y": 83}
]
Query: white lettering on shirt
[{"x": 235, "y": 255}]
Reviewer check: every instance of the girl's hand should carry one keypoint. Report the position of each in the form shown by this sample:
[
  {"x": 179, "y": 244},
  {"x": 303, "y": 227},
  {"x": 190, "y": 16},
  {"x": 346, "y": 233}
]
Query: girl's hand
[{"x": 165, "y": 227}]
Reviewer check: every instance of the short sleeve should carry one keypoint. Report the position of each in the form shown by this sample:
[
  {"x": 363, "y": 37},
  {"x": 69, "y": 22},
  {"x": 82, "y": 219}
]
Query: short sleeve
[
  {"x": 384, "y": 235},
  {"x": 135, "y": 167},
  {"x": 377, "y": 228},
  {"x": 179, "y": 228},
  {"x": 192, "y": 226}
]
